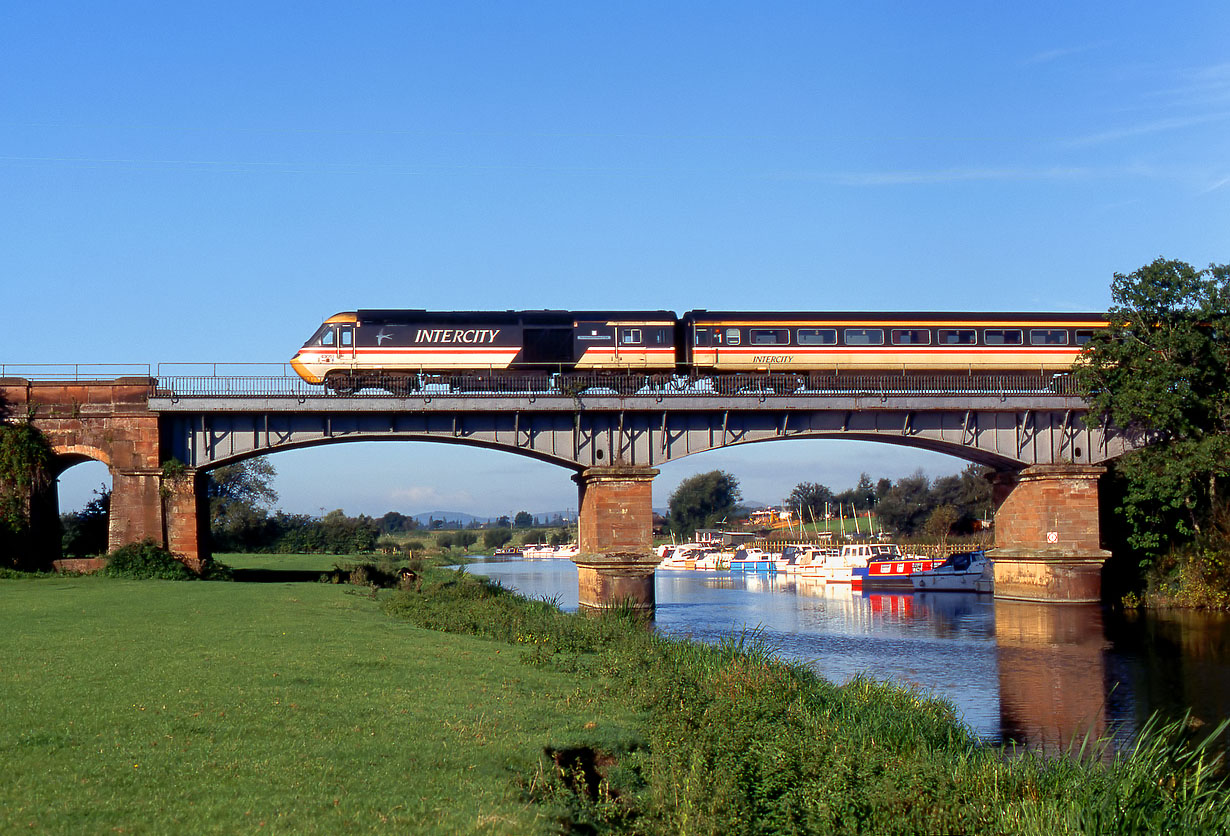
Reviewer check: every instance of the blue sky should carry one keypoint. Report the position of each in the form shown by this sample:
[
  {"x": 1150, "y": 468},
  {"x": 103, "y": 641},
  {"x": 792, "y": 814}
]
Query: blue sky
[{"x": 206, "y": 182}]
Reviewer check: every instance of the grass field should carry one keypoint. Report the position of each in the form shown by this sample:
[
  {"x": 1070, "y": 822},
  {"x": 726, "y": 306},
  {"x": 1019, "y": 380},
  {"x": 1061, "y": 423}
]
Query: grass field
[
  {"x": 217, "y": 707},
  {"x": 162, "y": 707}
]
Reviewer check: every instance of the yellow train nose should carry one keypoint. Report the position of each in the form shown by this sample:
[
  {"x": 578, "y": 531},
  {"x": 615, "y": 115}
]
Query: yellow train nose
[{"x": 301, "y": 370}]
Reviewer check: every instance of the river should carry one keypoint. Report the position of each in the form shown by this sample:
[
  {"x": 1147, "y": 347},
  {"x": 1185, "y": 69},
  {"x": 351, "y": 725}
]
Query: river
[{"x": 1042, "y": 675}]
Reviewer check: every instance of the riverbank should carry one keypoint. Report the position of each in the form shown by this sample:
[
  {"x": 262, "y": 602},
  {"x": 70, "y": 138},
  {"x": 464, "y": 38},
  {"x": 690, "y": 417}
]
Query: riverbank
[
  {"x": 211, "y": 707},
  {"x": 736, "y": 741}
]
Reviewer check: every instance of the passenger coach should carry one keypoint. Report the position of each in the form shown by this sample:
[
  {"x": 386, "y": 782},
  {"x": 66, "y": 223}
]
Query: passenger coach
[{"x": 742, "y": 341}]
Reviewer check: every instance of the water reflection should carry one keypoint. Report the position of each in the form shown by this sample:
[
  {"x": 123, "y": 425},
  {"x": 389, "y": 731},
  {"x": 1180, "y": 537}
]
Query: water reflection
[
  {"x": 1042, "y": 675},
  {"x": 1052, "y": 673}
]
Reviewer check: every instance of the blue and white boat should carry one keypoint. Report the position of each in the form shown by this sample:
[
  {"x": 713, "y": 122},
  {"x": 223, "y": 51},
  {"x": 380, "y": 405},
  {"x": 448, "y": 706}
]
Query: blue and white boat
[{"x": 753, "y": 560}]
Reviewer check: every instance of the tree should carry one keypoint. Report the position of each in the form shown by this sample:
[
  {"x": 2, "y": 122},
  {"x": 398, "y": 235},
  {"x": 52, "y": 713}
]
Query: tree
[
  {"x": 1161, "y": 373},
  {"x": 85, "y": 532},
  {"x": 240, "y": 498},
  {"x": 25, "y": 468},
  {"x": 703, "y": 500},
  {"x": 395, "y": 523},
  {"x": 523, "y": 519},
  {"x": 907, "y": 504},
  {"x": 809, "y": 499},
  {"x": 939, "y": 524},
  {"x": 969, "y": 493}
]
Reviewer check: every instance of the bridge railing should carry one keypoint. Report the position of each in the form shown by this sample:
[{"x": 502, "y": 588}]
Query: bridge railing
[
  {"x": 73, "y": 371},
  {"x": 761, "y": 386}
]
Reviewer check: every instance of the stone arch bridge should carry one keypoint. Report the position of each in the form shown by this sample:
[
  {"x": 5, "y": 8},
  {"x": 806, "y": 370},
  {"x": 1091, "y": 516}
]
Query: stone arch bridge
[{"x": 1030, "y": 429}]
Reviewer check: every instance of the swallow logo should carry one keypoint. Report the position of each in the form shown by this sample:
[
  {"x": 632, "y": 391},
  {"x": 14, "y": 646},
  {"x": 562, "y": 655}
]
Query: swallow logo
[{"x": 382, "y": 336}]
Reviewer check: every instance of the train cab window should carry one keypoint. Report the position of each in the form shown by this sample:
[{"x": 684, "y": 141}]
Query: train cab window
[
  {"x": 732, "y": 336},
  {"x": 911, "y": 336},
  {"x": 702, "y": 337},
  {"x": 629, "y": 336},
  {"x": 1001, "y": 336},
  {"x": 1083, "y": 336},
  {"x": 958, "y": 336},
  {"x": 347, "y": 338},
  {"x": 864, "y": 336},
  {"x": 328, "y": 337},
  {"x": 1048, "y": 336},
  {"x": 816, "y": 336},
  {"x": 768, "y": 336}
]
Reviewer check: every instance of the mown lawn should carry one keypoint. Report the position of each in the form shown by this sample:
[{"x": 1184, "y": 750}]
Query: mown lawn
[{"x": 162, "y": 707}]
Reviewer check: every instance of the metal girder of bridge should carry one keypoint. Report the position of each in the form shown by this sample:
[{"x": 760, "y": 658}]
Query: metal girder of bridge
[{"x": 1005, "y": 432}]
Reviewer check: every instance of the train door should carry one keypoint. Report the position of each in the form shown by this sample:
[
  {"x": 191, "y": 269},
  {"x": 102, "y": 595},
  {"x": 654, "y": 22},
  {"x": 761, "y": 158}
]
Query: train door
[{"x": 345, "y": 344}]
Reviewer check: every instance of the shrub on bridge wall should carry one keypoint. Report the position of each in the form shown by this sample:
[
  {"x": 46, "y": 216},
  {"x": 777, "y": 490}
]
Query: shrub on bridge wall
[{"x": 25, "y": 468}]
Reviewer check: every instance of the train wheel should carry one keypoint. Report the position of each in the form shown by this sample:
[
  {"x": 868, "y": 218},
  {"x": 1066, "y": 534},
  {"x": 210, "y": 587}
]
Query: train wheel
[{"x": 341, "y": 383}]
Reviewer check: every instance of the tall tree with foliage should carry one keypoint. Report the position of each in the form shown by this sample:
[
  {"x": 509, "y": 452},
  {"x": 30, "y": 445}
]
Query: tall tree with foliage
[
  {"x": 240, "y": 498},
  {"x": 907, "y": 505},
  {"x": 1161, "y": 373},
  {"x": 809, "y": 500},
  {"x": 702, "y": 501}
]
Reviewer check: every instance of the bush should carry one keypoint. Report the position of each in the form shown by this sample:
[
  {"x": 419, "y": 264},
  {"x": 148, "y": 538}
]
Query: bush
[
  {"x": 494, "y": 538},
  {"x": 146, "y": 560}
]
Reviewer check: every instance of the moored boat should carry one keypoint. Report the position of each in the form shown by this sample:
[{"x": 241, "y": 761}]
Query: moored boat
[
  {"x": 753, "y": 560},
  {"x": 893, "y": 571},
  {"x": 796, "y": 558},
  {"x": 961, "y": 572},
  {"x": 849, "y": 565}
]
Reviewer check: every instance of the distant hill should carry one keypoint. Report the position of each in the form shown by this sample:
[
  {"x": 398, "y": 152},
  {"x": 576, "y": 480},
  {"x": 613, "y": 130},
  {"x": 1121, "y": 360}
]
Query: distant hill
[{"x": 448, "y": 516}]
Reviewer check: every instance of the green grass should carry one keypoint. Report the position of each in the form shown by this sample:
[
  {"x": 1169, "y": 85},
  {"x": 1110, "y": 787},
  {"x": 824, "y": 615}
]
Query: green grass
[
  {"x": 162, "y": 707},
  {"x": 159, "y": 707}
]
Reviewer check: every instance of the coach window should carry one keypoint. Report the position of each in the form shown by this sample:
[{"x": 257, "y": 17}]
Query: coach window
[
  {"x": 864, "y": 336},
  {"x": 911, "y": 336},
  {"x": 732, "y": 336},
  {"x": 1048, "y": 336},
  {"x": 958, "y": 336},
  {"x": 630, "y": 336},
  {"x": 702, "y": 336},
  {"x": 1083, "y": 336},
  {"x": 816, "y": 336},
  {"x": 769, "y": 336},
  {"x": 659, "y": 336},
  {"x": 1001, "y": 336}
]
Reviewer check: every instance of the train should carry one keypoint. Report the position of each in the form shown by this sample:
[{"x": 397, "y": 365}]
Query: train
[{"x": 400, "y": 349}]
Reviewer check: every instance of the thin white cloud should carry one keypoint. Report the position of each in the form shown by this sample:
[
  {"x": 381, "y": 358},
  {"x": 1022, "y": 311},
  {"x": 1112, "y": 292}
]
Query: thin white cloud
[
  {"x": 1157, "y": 126},
  {"x": 942, "y": 175},
  {"x": 1217, "y": 184},
  {"x": 1050, "y": 55}
]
